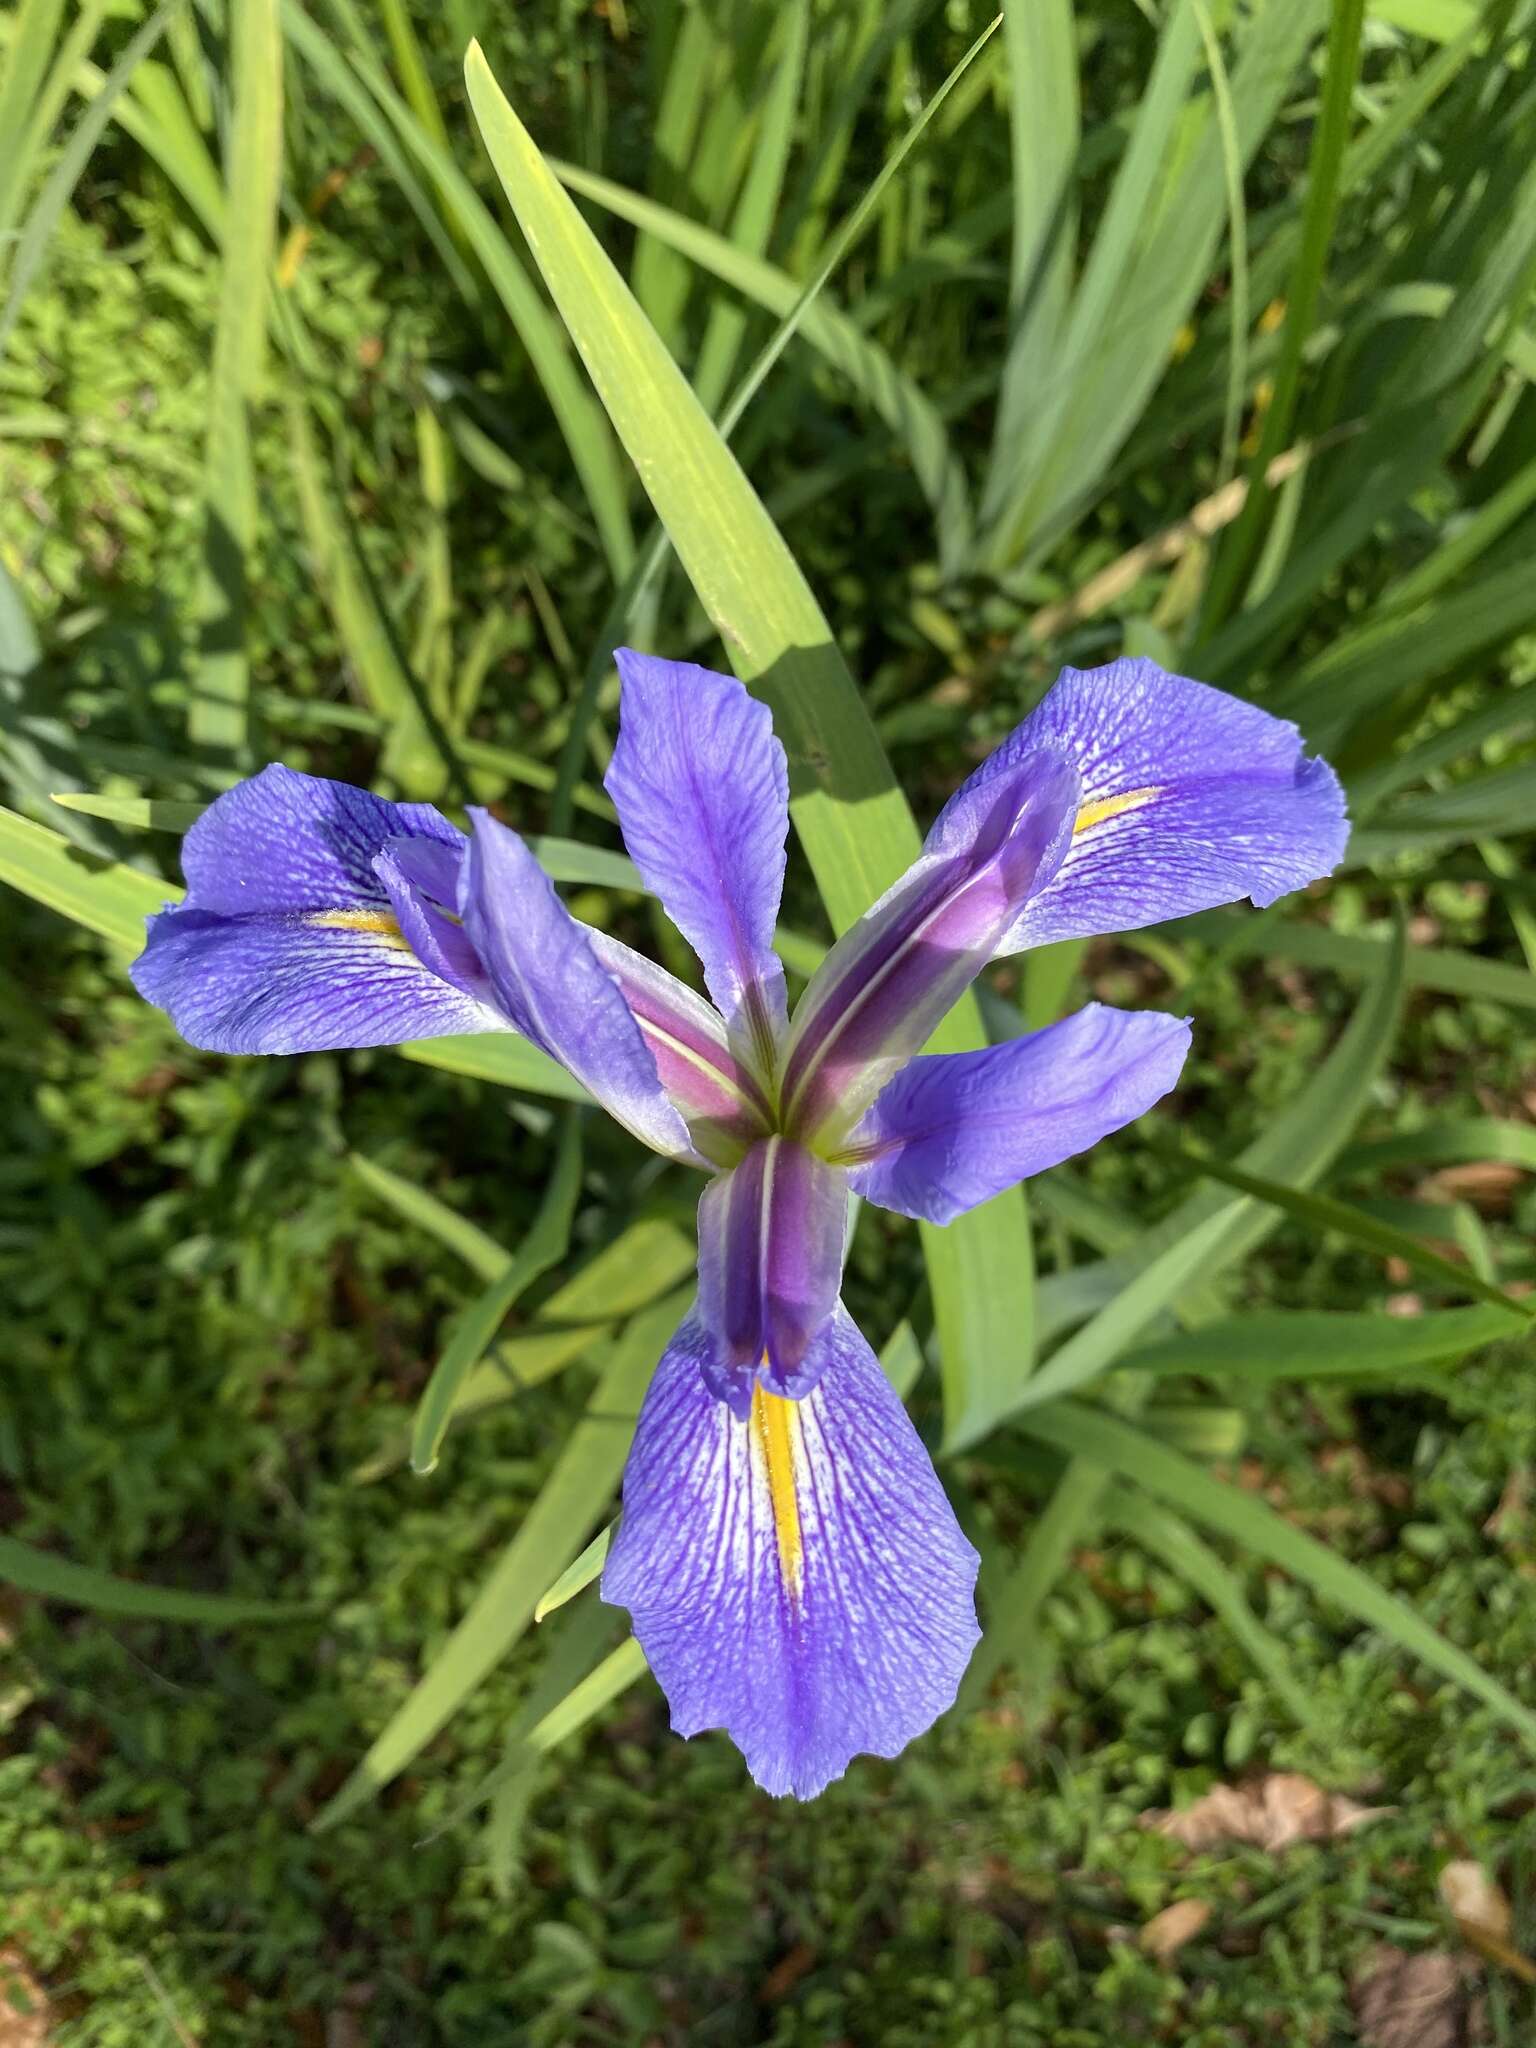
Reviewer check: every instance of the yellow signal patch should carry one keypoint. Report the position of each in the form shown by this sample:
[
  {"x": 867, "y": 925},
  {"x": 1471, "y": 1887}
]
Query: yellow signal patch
[
  {"x": 776, "y": 1437},
  {"x": 1107, "y": 807},
  {"x": 379, "y": 921}
]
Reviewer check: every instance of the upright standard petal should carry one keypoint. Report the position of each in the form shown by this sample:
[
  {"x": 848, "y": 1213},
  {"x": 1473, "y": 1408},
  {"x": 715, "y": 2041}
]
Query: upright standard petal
[
  {"x": 954, "y": 1129},
  {"x": 548, "y": 979},
  {"x": 770, "y": 1264},
  {"x": 1190, "y": 798},
  {"x": 877, "y": 996},
  {"x": 796, "y": 1578},
  {"x": 703, "y": 798},
  {"x": 290, "y": 940}
]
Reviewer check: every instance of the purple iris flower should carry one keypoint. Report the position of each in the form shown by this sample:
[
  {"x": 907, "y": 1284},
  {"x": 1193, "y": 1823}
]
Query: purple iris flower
[{"x": 790, "y": 1562}]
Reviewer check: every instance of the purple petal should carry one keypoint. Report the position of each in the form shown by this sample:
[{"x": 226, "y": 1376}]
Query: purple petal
[
  {"x": 888, "y": 981},
  {"x": 284, "y": 841},
  {"x": 421, "y": 879},
  {"x": 289, "y": 940},
  {"x": 954, "y": 1129},
  {"x": 1190, "y": 798},
  {"x": 547, "y": 978},
  {"x": 703, "y": 799},
  {"x": 307, "y": 982},
  {"x": 770, "y": 1262},
  {"x": 721, "y": 1099},
  {"x": 796, "y": 1578}
]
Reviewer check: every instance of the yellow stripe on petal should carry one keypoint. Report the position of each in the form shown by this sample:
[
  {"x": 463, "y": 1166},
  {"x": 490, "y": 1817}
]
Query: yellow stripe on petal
[
  {"x": 1103, "y": 808},
  {"x": 776, "y": 1439},
  {"x": 379, "y": 921}
]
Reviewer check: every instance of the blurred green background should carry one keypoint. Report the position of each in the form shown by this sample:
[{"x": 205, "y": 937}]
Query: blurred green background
[{"x": 1185, "y": 328}]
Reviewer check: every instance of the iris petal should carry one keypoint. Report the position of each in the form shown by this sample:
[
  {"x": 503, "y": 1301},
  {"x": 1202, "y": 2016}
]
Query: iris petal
[
  {"x": 796, "y": 1577},
  {"x": 304, "y": 983},
  {"x": 548, "y": 979},
  {"x": 890, "y": 979},
  {"x": 285, "y": 842},
  {"x": 721, "y": 1099},
  {"x": 770, "y": 1262},
  {"x": 288, "y": 940},
  {"x": 954, "y": 1129},
  {"x": 1190, "y": 798},
  {"x": 702, "y": 792}
]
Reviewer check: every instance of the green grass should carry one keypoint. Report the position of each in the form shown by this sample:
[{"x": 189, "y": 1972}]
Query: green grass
[{"x": 227, "y": 1284}]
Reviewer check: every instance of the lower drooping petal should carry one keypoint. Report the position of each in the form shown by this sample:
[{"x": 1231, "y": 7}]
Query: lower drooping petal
[
  {"x": 283, "y": 841},
  {"x": 548, "y": 979},
  {"x": 770, "y": 1265},
  {"x": 316, "y": 983},
  {"x": 290, "y": 939},
  {"x": 796, "y": 1578},
  {"x": 1190, "y": 798},
  {"x": 954, "y": 1129}
]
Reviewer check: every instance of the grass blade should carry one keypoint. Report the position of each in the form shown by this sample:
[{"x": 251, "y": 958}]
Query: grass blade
[
  {"x": 481, "y": 1253},
  {"x": 32, "y": 245},
  {"x": 1323, "y": 179},
  {"x": 543, "y": 1247},
  {"x": 55, "y": 1578},
  {"x": 218, "y": 716},
  {"x": 578, "y": 1576},
  {"x": 552, "y": 1533},
  {"x": 1117, "y": 1446},
  {"x": 1303, "y": 1344}
]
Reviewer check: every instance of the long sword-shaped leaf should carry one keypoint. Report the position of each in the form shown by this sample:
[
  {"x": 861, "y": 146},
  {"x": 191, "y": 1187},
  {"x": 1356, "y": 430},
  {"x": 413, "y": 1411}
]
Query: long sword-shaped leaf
[
  {"x": 752, "y": 222},
  {"x": 104, "y": 896},
  {"x": 479, "y": 1251},
  {"x": 586, "y": 432},
  {"x": 1324, "y": 1213},
  {"x": 1303, "y": 1344},
  {"x": 1169, "y": 1537},
  {"x": 55, "y": 1578},
  {"x": 1044, "y": 123},
  {"x": 879, "y": 382},
  {"x": 32, "y": 247},
  {"x": 34, "y": 744},
  {"x": 1444, "y": 969},
  {"x": 34, "y": 32},
  {"x": 1323, "y": 185},
  {"x": 544, "y": 1246},
  {"x": 852, "y": 820},
  {"x": 140, "y": 813},
  {"x": 217, "y": 716},
  {"x": 551, "y": 1534}
]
